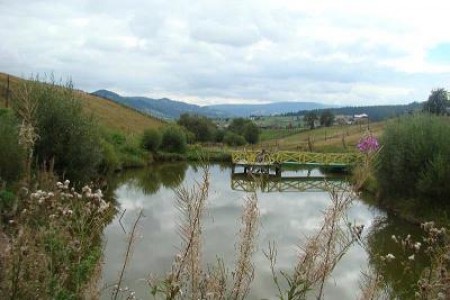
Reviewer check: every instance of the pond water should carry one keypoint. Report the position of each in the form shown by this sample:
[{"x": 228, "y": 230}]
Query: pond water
[{"x": 287, "y": 215}]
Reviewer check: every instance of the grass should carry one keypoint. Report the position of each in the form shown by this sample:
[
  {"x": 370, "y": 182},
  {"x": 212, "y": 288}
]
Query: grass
[
  {"x": 110, "y": 114},
  {"x": 324, "y": 139}
]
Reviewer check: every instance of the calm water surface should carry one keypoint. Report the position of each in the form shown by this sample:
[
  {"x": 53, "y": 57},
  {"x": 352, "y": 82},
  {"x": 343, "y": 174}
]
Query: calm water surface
[{"x": 286, "y": 217}]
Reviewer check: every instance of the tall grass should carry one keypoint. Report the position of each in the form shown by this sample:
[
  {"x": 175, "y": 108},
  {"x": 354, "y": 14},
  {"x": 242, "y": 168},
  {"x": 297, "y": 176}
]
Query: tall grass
[{"x": 415, "y": 158}]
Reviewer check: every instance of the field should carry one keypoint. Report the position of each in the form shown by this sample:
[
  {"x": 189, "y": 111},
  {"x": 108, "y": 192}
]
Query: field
[
  {"x": 110, "y": 114},
  {"x": 324, "y": 139}
]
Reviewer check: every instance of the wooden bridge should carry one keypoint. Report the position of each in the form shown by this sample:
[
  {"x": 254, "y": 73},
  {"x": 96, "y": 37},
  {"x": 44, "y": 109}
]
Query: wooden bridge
[{"x": 266, "y": 160}]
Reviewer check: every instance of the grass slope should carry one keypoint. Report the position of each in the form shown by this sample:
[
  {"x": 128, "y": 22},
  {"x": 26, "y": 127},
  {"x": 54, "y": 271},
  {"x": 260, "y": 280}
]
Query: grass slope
[
  {"x": 110, "y": 114},
  {"x": 324, "y": 139}
]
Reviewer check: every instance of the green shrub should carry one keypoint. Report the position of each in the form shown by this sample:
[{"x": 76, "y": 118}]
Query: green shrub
[
  {"x": 251, "y": 133},
  {"x": 11, "y": 153},
  {"x": 174, "y": 140},
  {"x": 415, "y": 157},
  {"x": 233, "y": 139},
  {"x": 66, "y": 134},
  {"x": 110, "y": 157},
  {"x": 151, "y": 140}
]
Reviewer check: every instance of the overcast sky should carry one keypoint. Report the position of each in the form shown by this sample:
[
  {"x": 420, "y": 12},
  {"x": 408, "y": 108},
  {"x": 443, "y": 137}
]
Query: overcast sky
[{"x": 345, "y": 52}]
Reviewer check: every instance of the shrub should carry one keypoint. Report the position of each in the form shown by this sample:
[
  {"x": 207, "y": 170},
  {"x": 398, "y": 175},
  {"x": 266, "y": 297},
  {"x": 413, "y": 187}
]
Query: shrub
[
  {"x": 233, "y": 139},
  {"x": 151, "y": 140},
  {"x": 110, "y": 158},
  {"x": 251, "y": 133},
  {"x": 66, "y": 134},
  {"x": 11, "y": 153},
  {"x": 174, "y": 140},
  {"x": 415, "y": 158}
]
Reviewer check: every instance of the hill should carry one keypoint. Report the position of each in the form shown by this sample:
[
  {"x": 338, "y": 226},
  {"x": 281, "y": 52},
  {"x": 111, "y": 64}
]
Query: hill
[
  {"x": 275, "y": 108},
  {"x": 110, "y": 114},
  {"x": 162, "y": 108},
  {"x": 375, "y": 113}
]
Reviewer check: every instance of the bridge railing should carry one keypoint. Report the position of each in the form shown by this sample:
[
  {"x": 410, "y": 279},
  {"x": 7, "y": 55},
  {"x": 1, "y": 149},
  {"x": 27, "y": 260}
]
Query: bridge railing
[{"x": 283, "y": 157}]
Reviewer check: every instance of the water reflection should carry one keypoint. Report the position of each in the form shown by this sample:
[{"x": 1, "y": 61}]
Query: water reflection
[
  {"x": 285, "y": 218},
  {"x": 400, "y": 274}
]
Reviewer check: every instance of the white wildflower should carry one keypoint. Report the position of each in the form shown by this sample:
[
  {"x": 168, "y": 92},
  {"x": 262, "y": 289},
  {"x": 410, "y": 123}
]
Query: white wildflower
[
  {"x": 417, "y": 246},
  {"x": 59, "y": 185},
  {"x": 411, "y": 257},
  {"x": 390, "y": 257}
]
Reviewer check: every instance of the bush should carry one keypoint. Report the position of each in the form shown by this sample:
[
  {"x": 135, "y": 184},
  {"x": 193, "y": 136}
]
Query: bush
[
  {"x": 110, "y": 158},
  {"x": 11, "y": 153},
  {"x": 151, "y": 140},
  {"x": 415, "y": 157},
  {"x": 251, "y": 133},
  {"x": 174, "y": 140},
  {"x": 66, "y": 134},
  {"x": 233, "y": 139}
]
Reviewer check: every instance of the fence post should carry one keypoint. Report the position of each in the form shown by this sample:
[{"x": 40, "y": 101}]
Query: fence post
[{"x": 7, "y": 92}]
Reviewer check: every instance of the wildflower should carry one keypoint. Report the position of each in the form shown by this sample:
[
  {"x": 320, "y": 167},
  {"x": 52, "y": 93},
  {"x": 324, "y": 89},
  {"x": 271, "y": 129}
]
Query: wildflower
[
  {"x": 411, "y": 257},
  {"x": 66, "y": 184},
  {"x": 394, "y": 238},
  {"x": 59, "y": 185},
  {"x": 390, "y": 257},
  {"x": 86, "y": 189},
  {"x": 103, "y": 206},
  {"x": 368, "y": 144},
  {"x": 417, "y": 246}
]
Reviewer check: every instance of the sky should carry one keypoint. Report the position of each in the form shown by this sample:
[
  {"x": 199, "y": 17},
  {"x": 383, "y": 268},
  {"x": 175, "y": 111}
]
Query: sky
[{"x": 346, "y": 52}]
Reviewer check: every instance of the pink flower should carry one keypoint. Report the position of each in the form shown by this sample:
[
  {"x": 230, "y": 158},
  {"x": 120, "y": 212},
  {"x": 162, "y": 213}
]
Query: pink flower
[{"x": 368, "y": 144}]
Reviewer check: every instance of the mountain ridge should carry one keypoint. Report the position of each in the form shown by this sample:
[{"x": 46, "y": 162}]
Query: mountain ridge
[{"x": 171, "y": 109}]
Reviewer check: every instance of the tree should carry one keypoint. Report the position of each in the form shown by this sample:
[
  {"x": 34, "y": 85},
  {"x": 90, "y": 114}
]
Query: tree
[
  {"x": 174, "y": 140},
  {"x": 238, "y": 125},
  {"x": 326, "y": 118},
  {"x": 202, "y": 128},
  {"x": 437, "y": 102},
  {"x": 310, "y": 119},
  {"x": 251, "y": 133},
  {"x": 246, "y": 128}
]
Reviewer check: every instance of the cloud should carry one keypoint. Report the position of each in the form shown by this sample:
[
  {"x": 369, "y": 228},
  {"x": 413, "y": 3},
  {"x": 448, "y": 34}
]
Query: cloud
[{"x": 348, "y": 52}]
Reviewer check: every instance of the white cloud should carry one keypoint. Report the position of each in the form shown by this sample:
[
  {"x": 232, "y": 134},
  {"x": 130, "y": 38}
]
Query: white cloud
[{"x": 343, "y": 52}]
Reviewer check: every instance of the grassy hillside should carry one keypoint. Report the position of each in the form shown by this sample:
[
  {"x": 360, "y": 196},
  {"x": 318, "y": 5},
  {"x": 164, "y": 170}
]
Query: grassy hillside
[
  {"x": 325, "y": 139},
  {"x": 110, "y": 114}
]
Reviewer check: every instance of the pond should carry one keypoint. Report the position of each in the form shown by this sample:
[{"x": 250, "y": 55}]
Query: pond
[{"x": 288, "y": 213}]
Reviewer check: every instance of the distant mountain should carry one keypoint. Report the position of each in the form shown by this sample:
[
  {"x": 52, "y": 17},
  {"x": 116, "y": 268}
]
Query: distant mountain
[
  {"x": 161, "y": 108},
  {"x": 275, "y": 108}
]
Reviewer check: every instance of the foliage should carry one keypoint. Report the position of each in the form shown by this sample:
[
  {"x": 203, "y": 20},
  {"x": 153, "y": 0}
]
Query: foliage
[
  {"x": 174, "y": 140},
  {"x": 376, "y": 112},
  {"x": 437, "y": 102},
  {"x": 65, "y": 134},
  {"x": 11, "y": 153},
  {"x": 310, "y": 119},
  {"x": 245, "y": 128},
  {"x": 251, "y": 133},
  {"x": 326, "y": 118},
  {"x": 233, "y": 139},
  {"x": 237, "y": 125},
  {"x": 57, "y": 245},
  {"x": 151, "y": 140},
  {"x": 203, "y": 128},
  {"x": 415, "y": 158}
]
